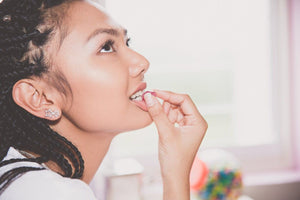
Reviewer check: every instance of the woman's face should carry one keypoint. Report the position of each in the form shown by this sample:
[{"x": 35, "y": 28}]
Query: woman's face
[{"x": 103, "y": 72}]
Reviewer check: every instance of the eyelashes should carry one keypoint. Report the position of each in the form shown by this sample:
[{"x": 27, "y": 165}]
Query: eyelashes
[
  {"x": 109, "y": 46},
  {"x": 128, "y": 42}
]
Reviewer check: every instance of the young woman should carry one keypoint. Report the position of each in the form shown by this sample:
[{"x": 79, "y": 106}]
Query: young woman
[{"x": 69, "y": 83}]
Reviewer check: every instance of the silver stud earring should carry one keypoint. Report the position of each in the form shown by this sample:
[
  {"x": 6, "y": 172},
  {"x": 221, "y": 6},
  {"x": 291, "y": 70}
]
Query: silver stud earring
[{"x": 51, "y": 113}]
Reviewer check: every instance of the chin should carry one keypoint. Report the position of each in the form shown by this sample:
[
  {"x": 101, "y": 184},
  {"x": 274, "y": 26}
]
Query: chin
[
  {"x": 147, "y": 122},
  {"x": 140, "y": 122}
]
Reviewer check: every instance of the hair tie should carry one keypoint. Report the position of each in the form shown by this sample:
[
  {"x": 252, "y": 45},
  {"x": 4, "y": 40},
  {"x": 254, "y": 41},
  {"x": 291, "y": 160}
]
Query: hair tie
[{"x": 6, "y": 18}]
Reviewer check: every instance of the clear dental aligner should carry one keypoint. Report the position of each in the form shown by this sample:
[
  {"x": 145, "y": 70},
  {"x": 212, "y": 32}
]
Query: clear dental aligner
[{"x": 139, "y": 96}]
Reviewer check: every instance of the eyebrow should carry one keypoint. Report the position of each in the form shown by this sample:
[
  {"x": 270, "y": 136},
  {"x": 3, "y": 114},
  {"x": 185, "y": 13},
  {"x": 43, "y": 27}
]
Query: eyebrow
[{"x": 110, "y": 31}]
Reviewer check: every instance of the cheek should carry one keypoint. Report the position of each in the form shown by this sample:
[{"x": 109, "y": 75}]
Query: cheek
[
  {"x": 99, "y": 99},
  {"x": 98, "y": 112}
]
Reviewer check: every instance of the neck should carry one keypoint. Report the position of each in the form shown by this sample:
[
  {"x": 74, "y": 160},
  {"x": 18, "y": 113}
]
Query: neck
[
  {"x": 93, "y": 151},
  {"x": 92, "y": 146}
]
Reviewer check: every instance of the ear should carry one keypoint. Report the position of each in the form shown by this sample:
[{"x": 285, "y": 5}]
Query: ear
[{"x": 36, "y": 100}]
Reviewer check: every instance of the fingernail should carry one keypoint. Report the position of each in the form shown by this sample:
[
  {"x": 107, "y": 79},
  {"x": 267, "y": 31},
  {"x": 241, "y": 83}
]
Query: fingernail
[
  {"x": 153, "y": 93},
  {"x": 149, "y": 99}
]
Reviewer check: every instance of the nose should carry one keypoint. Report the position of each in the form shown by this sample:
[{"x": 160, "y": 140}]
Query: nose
[{"x": 138, "y": 64}]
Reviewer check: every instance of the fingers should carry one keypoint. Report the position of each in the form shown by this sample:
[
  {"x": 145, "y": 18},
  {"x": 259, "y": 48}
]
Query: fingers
[
  {"x": 173, "y": 116},
  {"x": 158, "y": 114},
  {"x": 166, "y": 106},
  {"x": 183, "y": 101},
  {"x": 180, "y": 118}
]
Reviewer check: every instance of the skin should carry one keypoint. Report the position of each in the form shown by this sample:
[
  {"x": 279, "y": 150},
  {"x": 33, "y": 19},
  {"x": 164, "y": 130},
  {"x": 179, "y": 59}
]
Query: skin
[{"x": 101, "y": 80}]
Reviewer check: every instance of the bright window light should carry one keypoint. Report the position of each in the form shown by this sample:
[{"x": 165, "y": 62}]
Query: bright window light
[{"x": 218, "y": 52}]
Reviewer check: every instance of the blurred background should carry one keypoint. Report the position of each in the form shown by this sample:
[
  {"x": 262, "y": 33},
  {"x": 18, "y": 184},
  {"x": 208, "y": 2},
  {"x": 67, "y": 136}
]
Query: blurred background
[{"x": 239, "y": 60}]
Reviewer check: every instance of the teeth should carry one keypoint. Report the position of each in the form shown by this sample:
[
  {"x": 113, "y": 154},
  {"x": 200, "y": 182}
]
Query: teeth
[{"x": 137, "y": 96}]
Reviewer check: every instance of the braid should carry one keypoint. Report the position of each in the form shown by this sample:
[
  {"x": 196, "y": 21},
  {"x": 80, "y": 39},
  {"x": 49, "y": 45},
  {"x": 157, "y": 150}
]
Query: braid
[
  {"x": 22, "y": 39},
  {"x": 7, "y": 178},
  {"x": 77, "y": 160},
  {"x": 15, "y": 160}
]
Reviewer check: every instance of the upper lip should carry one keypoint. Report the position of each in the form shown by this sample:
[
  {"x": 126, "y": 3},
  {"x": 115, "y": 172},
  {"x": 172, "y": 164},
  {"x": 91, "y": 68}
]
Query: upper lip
[{"x": 141, "y": 87}]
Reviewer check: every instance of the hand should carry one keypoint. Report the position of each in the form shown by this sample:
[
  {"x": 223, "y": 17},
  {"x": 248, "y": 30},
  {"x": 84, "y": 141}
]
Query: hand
[{"x": 178, "y": 145}]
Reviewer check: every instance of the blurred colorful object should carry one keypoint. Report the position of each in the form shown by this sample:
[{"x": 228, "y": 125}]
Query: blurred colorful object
[
  {"x": 216, "y": 175},
  {"x": 198, "y": 175}
]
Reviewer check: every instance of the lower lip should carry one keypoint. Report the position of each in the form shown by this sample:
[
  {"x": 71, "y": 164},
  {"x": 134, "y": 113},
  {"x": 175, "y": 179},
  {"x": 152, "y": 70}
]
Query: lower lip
[{"x": 140, "y": 104}]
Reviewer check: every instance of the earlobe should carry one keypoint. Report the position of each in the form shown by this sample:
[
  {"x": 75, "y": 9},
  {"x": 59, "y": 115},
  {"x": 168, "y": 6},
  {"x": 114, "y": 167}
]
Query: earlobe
[
  {"x": 33, "y": 99},
  {"x": 52, "y": 114}
]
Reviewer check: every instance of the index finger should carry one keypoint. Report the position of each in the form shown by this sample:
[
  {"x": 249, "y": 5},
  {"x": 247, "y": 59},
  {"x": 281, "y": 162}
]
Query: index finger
[{"x": 183, "y": 101}]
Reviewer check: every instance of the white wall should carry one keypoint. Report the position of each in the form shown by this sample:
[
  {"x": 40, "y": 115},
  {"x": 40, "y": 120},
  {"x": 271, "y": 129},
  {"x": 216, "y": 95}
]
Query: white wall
[
  {"x": 288, "y": 190},
  {"x": 295, "y": 72}
]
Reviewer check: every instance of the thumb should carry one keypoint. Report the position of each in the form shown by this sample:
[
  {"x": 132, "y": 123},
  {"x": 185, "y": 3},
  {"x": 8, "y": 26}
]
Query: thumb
[{"x": 155, "y": 110}]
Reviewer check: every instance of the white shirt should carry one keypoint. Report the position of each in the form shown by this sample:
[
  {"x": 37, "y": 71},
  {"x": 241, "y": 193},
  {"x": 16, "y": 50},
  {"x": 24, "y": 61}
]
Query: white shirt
[{"x": 42, "y": 184}]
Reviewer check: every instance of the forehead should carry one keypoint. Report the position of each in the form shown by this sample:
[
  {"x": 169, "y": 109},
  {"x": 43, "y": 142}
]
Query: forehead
[{"x": 85, "y": 16}]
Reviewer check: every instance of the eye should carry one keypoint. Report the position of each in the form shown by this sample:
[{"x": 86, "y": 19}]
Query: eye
[
  {"x": 128, "y": 41},
  {"x": 107, "y": 47}
]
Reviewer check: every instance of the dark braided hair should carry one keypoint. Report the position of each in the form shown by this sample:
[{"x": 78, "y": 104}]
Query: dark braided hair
[{"x": 26, "y": 26}]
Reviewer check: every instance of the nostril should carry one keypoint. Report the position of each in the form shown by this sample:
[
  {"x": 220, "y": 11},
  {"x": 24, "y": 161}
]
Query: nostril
[{"x": 137, "y": 71}]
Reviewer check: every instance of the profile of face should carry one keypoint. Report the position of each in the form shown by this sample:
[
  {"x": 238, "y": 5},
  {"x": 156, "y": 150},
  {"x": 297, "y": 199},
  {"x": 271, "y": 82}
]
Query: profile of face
[{"x": 102, "y": 71}]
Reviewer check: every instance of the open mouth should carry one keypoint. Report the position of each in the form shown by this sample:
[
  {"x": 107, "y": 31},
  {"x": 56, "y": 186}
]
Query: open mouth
[
  {"x": 137, "y": 96},
  {"x": 137, "y": 99}
]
